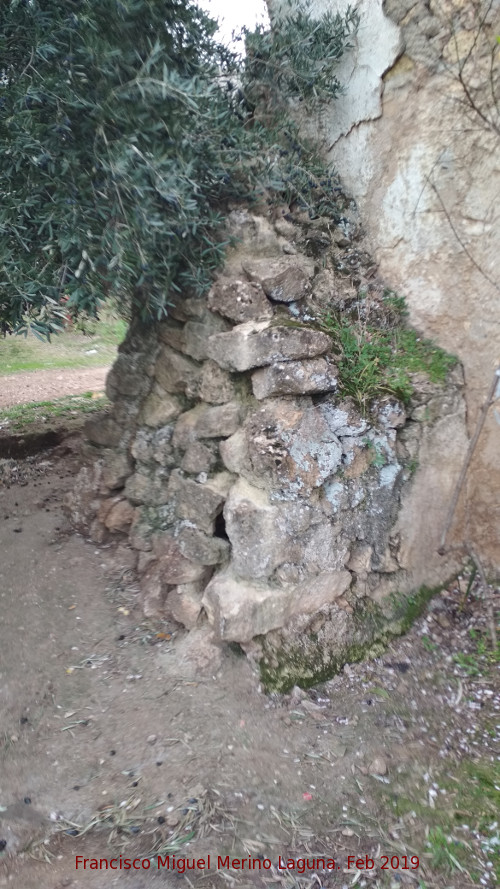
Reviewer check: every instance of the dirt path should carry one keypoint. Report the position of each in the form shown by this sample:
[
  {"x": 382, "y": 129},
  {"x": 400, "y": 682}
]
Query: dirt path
[
  {"x": 109, "y": 718},
  {"x": 46, "y": 385}
]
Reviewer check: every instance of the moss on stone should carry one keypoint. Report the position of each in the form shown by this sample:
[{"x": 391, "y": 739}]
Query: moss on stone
[{"x": 308, "y": 662}]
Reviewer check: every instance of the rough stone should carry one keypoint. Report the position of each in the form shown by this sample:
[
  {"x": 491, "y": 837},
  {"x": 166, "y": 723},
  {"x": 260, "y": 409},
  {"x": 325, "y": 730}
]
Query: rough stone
[
  {"x": 199, "y": 503},
  {"x": 295, "y": 377},
  {"x": 216, "y": 386},
  {"x": 239, "y": 610},
  {"x": 198, "y": 547},
  {"x": 291, "y": 448},
  {"x": 234, "y": 451},
  {"x": 343, "y": 419},
  {"x": 148, "y": 488},
  {"x": 82, "y": 502},
  {"x": 129, "y": 375},
  {"x": 206, "y": 422},
  {"x": 184, "y": 604},
  {"x": 177, "y": 374},
  {"x": 153, "y": 591},
  {"x": 115, "y": 471},
  {"x": 118, "y": 516},
  {"x": 196, "y": 654},
  {"x": 159, "y": 408},
  {"x": 390, "y": 414},
  {"x": 283, "y": 280},
  {"x": 256, "y": 344},
  {"x": 263, "y": 535},
  {"x": 198, "y": 458},
  {"x": 103, "y": 430},
  {"x": 257, "y": 545},
  {"x": 239, "y": 301},
  {"x": 173, "y": 567}
]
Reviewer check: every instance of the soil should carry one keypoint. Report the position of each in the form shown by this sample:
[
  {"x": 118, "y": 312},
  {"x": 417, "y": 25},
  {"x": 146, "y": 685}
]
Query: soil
[
  {"x": 45, "y": 385},
  {"x": 120, "y": 735}
]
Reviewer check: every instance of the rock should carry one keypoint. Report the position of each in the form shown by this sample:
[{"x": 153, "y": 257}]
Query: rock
[
  {"x": 153, "y": 591},
  {"x": 148, "y": 488},
  {"x": 378, "y": 766},
  {"x": 284, "y": 280},
  {"x": 159, "y": 408},
  {"x": 199, "y": 503},
  {"x": 103, "y": 430},
  {"x": 122, "y": 559},
  {"x": 206, "y": 422},
  {"x": 140, "y": 532},
  {"x": 216, "y": 386},
  {"x": 177, "y": 374},
  {"x": 196, "y": 654},
  {"x": 184, "y": 603},
  {"x": 119, "y": 516},
  {"x": 291, "y": 449},
  {"x": 256, "y": 344},
  {"x": 239, "y": 301},
  {"x": 144, "y": 561},
  {"x": 294, "y": 378},
  {"x": 129, "y": 375},
  {"x": 251, "y": 525},
  {"x": 239, "y": 610},
  {"x": 343, "y": 419},
  {"x": 234, "y": 451},
  {"x": 82, "y": 502},
  {"x": 390, "y": 414},
  {"x": 196, "y": 337},
  {"x": 198, "y": 458},
  {"x": 198, "y": 547},
  {"x": 173, "y": 568},
  {"x": 115, "y": 471}
]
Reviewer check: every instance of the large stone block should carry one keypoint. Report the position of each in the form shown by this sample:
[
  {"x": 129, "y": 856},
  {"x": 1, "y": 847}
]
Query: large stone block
[
  {"x": 239, "y": 610},
  {"x": 199, "y": 503},
  {"x": 251, "y": 525},
  {"x": 198, "y": 458},
  {"x": 256, "y": 344},
  {"x": 215, "y": 386},
  {"x": 283, "y": 280},
  {"x": 173, "y": 566},
  {"x": 239, "y": 301},
  {"x": 103, "y": 430},
  {"x": 295, "y": 378},
  {"x": 176, "y": 373},
  {"x": 198, "y": 547},
  {"x": 286, "y": 447},
  {"x": 150, "y": 488},
  {"x": 264, "y": 535},
  {"x": 159, "y": 408},
  {"x": 206, "y": 422}
]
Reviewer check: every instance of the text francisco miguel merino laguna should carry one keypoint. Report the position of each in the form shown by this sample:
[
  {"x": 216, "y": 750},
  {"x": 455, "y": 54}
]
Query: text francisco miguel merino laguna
[{"x": 181, "y": 865}]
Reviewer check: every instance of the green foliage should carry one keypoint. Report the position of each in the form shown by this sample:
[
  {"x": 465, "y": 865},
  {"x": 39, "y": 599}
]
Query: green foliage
[
  {"x": 377, "y": 359},
  {"x": 123, "y": 138},
  {"x": 297, "y": 60}
]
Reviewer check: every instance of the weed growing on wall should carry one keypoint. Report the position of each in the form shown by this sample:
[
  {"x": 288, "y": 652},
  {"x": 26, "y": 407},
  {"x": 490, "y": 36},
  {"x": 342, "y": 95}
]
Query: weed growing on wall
[{"x": 378, "y": 357}]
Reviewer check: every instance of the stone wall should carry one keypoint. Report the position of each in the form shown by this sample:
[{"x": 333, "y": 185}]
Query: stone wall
[
  {"x": 254, "y": 495},
  {"x": 422, "y": 163}
]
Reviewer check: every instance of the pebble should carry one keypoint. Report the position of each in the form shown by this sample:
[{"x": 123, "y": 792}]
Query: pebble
[{"x": 378, "y": 766}]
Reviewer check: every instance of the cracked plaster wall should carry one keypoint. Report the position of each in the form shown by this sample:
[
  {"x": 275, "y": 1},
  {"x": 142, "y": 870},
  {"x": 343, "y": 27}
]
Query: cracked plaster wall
[{"x": 425, "y": 172}]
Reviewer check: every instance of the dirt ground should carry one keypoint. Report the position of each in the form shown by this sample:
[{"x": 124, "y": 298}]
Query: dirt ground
[
  {"x": 122, "y": 736},
  {"x": 45, "y": 385}
]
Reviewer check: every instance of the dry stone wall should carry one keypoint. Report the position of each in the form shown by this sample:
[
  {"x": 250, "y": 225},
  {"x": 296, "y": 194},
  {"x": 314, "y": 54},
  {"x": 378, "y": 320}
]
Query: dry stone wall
[{"x": 254, "y": 494}]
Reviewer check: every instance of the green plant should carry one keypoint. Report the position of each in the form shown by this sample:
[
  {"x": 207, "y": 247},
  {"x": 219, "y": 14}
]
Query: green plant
[
  {"x": 126, "y": 129},
  {"x": 379, "y": 359},
  {"x": 443, "y": 850}
]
